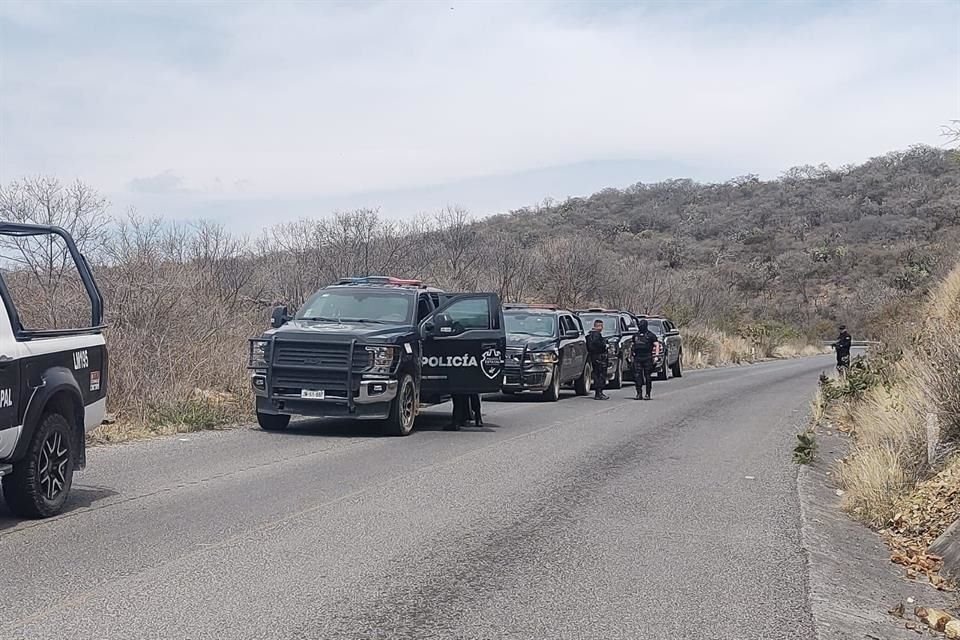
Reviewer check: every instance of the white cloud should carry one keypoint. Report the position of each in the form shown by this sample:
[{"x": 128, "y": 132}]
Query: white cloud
[{"x": 314, "y": 99}]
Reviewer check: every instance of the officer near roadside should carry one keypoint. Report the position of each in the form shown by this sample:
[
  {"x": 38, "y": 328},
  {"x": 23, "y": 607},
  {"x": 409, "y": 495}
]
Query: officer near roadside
[
  {"x": 842, "y": 345},
  {"x": 597, "y": 351},
  {"x": 645, "y": 346}
]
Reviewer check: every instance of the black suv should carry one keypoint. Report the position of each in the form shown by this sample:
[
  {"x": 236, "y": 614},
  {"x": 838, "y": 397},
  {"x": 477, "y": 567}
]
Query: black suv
[
  {"x": 376, "y": 348},
  {"x": 619, "y": 327},
  {"x": 671, "y": 360},
  {"x": 546, "y": 350}
]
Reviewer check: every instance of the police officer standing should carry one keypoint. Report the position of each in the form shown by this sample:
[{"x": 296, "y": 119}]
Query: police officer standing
[
  {"x": 644, "y": 347},
  {"x": 465, "y": 408},
  {"x": 597, "y": 351},
  {"x": 842, "y": 345}
]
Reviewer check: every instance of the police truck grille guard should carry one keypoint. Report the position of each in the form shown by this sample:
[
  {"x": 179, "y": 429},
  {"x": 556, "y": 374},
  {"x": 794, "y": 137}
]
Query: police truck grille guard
[
  {"x": 295, "y": 365},
  {"x": 512, "y": 369}
]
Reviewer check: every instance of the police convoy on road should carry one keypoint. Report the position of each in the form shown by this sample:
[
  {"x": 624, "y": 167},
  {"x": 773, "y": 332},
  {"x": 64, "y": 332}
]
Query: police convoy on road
[
  {"x": 380, "y": 348},
  {"x": 370, "y": 348}
]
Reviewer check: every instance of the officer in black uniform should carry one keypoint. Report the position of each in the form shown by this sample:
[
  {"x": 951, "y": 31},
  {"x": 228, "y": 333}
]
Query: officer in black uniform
[
  {"x": 465, "y": 408},
  {"x": 597, "y": 350},
  {"x": 842, "y": 345},
  {"x": 644, "y": 346}
]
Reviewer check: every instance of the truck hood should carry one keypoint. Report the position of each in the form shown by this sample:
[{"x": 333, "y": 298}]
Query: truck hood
[
  {"x": 532, "y": 343},
  {"x": 341, "y": 332}
]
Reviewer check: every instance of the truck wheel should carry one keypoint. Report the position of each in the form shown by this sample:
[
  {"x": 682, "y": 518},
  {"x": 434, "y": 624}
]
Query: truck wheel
[
  {"x": 677, "y": 369},
  {"x": 617, "y": 381},
  {"x": 552, "y": 394},
  {"x": 403, "y": 409},
  {"x": 584, "y": 382},
  {"x": 272, "y": 421},
  {"x": 662, "y": 372},
  {"x": 40, "y": 483}
]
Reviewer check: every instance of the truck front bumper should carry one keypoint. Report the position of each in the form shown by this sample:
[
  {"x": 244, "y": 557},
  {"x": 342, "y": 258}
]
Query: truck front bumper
[
  {"x": 370, "y": 402},
  {"x": 530, "y": 378}
]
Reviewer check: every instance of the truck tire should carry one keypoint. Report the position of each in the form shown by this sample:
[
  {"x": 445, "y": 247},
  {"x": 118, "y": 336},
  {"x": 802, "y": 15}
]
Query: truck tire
[
  {"x": 273, "y": 421},
  {"x": 677, "y": 369},
  {"x": 582, "y": 384},
  {"x": 403, "y": 409},
  {"x": 662, "y": 372},
  {"x": 40, "y": 483},
  {"x": 617, "y": 381},
  {"x": 552, "y": 394}
]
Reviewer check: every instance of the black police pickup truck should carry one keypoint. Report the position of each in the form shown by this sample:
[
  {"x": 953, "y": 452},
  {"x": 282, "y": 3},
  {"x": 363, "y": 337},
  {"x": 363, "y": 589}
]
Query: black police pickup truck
[
  {"x": 376, "y": 348},
  {"x": 53, "y": 371},
  {"x": 546, "y": 350},
  {"x": 619, "y": 327}
]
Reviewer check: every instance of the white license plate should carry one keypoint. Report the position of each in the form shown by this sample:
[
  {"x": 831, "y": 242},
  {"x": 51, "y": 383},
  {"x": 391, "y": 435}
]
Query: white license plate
[{"x": 313, "y": 394}]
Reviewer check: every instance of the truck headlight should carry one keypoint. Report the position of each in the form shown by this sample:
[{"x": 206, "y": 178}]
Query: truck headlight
[
  {"x": 258, "y": 354},
  {"x": 381, "y": 359},
  {"x": 543, "y": 357}
]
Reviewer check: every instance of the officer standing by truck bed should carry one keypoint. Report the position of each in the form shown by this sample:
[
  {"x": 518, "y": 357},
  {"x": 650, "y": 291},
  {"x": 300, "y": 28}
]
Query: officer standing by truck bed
[
  {"x": 645, "y": 344},
  {"x": 597, "y": 350}
]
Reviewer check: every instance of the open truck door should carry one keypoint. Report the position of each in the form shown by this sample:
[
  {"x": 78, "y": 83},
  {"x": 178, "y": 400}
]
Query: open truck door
[{"x": 464, "y": 344}]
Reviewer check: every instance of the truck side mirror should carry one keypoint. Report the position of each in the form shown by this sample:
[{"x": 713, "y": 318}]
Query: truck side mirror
[
  {"x": 571, "y": 334},
  {"x": 279, "y": 317},
  {"x": 426, "y": 330}
]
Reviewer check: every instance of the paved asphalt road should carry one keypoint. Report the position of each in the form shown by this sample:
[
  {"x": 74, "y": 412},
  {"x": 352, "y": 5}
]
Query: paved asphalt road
[{"x": 675, "y": 518}]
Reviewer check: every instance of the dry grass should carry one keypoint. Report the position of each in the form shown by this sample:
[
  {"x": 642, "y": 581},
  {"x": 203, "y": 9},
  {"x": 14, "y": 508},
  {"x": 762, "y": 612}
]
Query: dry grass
[
  {"x": 818, "y": 407},
  {"x": 798, "y": 349},
  {"x": 706, "y": 347},
  {"x": 887, "y": 459},
  {"x": 200, "y": 410},
  {"x": 888, "y": 421}
]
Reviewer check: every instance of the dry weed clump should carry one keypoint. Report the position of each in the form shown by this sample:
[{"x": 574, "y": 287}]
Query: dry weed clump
[
  {"x": 709, "y": 347},
  {"x": 938, "y": 346}
]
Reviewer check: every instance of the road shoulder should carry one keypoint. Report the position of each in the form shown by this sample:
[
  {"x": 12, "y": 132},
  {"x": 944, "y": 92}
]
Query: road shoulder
[{"x": 853, "y": 584}]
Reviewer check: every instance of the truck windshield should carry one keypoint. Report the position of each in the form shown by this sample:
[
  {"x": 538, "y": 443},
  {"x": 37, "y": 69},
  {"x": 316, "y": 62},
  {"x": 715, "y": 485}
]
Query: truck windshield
[
  {"x": 532, "y": 324},
  {"x": 610, "y": 323},
  {"x": 656, "y": 326},
  {"x": 385, "y": 307}
]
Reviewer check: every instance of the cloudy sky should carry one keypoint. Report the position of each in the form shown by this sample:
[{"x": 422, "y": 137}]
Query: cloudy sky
[{"x": 265, "y": 112}]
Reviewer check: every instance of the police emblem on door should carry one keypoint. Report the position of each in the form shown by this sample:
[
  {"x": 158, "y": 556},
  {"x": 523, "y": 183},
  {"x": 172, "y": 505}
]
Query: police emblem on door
[{"x": 491, "y": 363}]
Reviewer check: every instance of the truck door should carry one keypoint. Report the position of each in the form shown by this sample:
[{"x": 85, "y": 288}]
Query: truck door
[
  {"x": 580, "y": 345},
  {"x": 571, "y": 359},
  {"x": 10, "y": 402},
  {"x": 463, "y": 346}
]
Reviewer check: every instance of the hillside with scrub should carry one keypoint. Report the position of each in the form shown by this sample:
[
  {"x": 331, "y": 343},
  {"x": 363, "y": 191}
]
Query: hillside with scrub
[
  {"x": 749, "y": 268},
  {"x": 900, "y": 406}
]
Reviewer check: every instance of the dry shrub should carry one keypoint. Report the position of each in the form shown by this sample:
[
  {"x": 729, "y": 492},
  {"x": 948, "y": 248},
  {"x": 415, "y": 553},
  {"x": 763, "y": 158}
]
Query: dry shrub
[
  {"x": 888, "y": 454},
  {"x": 798, "y": 348},
  {"x": 939, "y": 349},
  {"x": 179, "y": 322},
  {"x": 709, "y": 347},
  {"x": 818, "y": 408}
]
